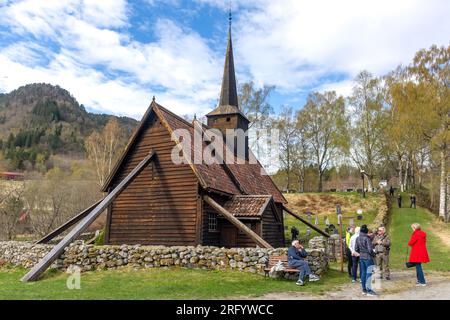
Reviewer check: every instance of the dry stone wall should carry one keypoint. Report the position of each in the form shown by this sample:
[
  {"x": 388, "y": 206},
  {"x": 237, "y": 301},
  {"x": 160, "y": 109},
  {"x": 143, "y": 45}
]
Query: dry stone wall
[{"x": 91, "y": 257}]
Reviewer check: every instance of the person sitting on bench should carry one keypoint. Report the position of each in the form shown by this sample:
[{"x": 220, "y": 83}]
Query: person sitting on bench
[{"x": 296, "y": 256}]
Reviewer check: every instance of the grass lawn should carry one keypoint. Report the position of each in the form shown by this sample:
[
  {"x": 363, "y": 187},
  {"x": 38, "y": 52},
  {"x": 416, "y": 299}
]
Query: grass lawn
[
  {"x": 173, "y": 283},
  {"x": 400, "y": 231}
]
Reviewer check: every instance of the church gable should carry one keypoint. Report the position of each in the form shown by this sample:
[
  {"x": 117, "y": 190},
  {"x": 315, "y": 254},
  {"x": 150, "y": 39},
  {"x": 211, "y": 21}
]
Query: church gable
[{"x": 160, "y": 205}]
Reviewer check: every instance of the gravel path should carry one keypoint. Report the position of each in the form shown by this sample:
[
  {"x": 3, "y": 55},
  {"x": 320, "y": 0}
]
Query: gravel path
[{"x": 401, "y": 287}]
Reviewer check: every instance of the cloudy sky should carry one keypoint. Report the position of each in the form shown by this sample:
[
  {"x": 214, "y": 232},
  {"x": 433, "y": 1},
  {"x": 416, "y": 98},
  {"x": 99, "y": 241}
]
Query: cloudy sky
[{"x": 114, "y": 55}]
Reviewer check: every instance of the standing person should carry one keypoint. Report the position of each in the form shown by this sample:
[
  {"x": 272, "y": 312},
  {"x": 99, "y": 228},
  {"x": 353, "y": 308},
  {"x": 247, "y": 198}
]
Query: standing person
[
  {"x": 296, "y": 259},
  {"x": 365, "y": 249},
  {"x": 391, "y": 191},
  {"x": 348, "y": 235},
  {"x": 419, "y": 252},
  {"x": 372, "y": 233},
  {"x": 355, "y": 255},
  {"x": 399, "y": 200},
  {"x": 413, "y": 201},
  {"x": 294, "y": 233},
  {"x": 382, "y": 246}
]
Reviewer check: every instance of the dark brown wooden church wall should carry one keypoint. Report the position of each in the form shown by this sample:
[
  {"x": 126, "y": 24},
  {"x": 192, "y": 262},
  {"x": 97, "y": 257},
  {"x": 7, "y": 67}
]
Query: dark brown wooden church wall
[
  {"x": 242, "y": 239},
  {"x": 211, "y": 238},
  {"x": 272, "y": 230},
  {"x": 160, "y": 206}
]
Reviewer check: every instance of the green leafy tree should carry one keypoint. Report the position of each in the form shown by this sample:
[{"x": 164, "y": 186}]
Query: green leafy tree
[
  {"x": 325, "y": 127},
  {"x": 368, "y": 120}
]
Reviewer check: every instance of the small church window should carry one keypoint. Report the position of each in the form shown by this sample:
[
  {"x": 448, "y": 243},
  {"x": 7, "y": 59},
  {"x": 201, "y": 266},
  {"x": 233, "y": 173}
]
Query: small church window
[
  {"x": 212, "y": 222},
  {"x": 228, "y": 119}
]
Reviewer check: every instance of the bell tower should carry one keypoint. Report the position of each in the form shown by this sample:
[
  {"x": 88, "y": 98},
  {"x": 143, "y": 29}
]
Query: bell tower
[{"x": 227, "y": 115}]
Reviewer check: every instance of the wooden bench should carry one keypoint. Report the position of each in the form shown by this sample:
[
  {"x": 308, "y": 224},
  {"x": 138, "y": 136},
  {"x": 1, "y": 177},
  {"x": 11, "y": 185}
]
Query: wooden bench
[{"x": 273, "y": 260}]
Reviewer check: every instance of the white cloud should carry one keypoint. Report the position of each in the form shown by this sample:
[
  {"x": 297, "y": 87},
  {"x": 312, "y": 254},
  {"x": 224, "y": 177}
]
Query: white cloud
[
  {"x": 295, "y": 43},
  {"x": 178, "y": 66},
  {"x": 343, "y": 88}
]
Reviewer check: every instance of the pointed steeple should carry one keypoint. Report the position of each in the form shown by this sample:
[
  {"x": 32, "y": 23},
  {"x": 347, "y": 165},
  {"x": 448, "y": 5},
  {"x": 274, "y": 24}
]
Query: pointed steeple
[
  {"x": 228, "y": 101},
  {"x": 227, "y": 115},
  {"x": 228, "y": 94}
]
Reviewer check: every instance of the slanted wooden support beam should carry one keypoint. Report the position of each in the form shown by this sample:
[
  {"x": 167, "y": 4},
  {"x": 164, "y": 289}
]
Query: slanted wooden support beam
[
  {"x": 238, "y": 224},
  {"x": 306, "y": 222},
  {"x": 68, "y": 224},
  {"x": 48, "y": 259}
]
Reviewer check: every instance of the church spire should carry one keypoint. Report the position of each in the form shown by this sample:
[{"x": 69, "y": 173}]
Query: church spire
[
  {"x": 228, "y": 94},
  {"x": 227, "y": 115},
  {"x": 228, "y": 101}
]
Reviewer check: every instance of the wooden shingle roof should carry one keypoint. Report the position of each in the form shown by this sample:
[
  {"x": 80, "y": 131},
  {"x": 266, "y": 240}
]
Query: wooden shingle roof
[
  {"x": 248, "y": 206},
  {"x": 232, "y": 179}
]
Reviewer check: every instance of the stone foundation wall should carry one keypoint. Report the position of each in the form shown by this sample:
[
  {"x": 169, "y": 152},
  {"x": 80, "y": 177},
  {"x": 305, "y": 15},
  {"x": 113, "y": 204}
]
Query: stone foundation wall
[
  {"x": 90, "y": 257},
  {"x": 382, "y": 218}
]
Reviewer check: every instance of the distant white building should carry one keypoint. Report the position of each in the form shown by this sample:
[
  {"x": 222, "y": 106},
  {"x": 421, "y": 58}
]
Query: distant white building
[{"x": 383, "y": 184}]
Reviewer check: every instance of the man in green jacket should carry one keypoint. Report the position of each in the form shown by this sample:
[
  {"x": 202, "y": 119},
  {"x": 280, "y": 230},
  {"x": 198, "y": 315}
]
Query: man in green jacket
[{"x": 382, "y": 245}]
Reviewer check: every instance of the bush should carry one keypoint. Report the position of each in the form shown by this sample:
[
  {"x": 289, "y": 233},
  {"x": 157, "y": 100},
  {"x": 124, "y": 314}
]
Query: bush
[{"x": 100, "y": 239}]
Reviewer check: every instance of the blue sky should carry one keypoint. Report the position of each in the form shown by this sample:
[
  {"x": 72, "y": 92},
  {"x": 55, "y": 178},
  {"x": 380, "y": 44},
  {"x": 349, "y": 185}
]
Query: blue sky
[{"x": 114, "y": 55}]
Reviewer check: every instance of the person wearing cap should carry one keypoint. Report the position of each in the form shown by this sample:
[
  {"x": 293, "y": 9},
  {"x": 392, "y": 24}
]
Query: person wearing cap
[
  {"x": 296, "y": 259},
  {"x": 364, "y": 247},
  {"x": 382, "y": 246}
]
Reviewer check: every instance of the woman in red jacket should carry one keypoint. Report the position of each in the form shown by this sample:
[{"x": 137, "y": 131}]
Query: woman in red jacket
[{"x": 419, "y": 253}]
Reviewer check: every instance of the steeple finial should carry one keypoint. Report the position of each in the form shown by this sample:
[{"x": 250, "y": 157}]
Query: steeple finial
[
  {"x": 228, "y": 94},
  {"x": 230, "y": 17}
]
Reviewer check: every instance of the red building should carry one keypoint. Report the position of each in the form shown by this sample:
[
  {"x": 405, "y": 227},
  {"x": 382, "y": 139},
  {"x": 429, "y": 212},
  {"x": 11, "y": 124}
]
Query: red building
[{"x": 12, "y": 176}]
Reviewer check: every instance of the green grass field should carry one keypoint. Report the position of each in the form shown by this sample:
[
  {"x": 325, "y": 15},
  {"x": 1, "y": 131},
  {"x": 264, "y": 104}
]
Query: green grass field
[
  {"x": 400, "y": 231},
  {"x": 177, "y": 283},
  {"x": 156, "y": 284}
]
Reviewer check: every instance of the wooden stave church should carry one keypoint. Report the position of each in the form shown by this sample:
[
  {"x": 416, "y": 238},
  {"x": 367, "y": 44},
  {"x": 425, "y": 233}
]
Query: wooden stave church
[
  {"x": 165, "y": 204},
  {"x": 152, "y": 201}
]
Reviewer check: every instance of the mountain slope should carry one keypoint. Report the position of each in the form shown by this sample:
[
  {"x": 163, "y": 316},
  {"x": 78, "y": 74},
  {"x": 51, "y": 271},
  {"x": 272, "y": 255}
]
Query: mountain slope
[{"x": 42, "y": 119}]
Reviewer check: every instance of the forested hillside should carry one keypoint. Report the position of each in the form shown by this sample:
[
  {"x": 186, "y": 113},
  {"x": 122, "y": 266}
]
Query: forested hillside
[{"x": 40, "y": 120}]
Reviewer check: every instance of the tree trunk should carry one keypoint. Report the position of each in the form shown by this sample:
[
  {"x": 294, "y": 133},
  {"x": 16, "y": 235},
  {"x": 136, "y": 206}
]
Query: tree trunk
[
  {"x": 405, "y": 178},
  {"x": 301, "y": 182},
  {"x": 447, "y": 214},
  {"x": 443, "y": 188},
  {"x": 369, "y": 184},
  {"x": 288, "y": 185},
  {"x": 320, "y": 184},
  {"x": 400, "y": 175}
]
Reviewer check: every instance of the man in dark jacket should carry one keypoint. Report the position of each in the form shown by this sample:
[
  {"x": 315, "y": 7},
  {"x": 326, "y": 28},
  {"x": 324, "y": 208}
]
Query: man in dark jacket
[
  {"x": 391, "y": 191},
  {"x": 365, "y": 250},
  {"x": 399, "y": 200},
  {"x": 296, "y": 256},
  {"x": 294, "y": 233},
  {"x": 413, "y": 201}
]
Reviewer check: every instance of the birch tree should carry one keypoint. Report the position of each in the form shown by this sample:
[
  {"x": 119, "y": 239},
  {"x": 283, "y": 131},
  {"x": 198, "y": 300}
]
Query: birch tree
[
  {"x": 286, "y": 125},
  {"x": 325, "y": 126},
  {"x": 368, "y": 141},
  {"x": 255, "y": 105},
  {"x": 430, "y": 73},
  {"x": 103, "y": 149}
]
